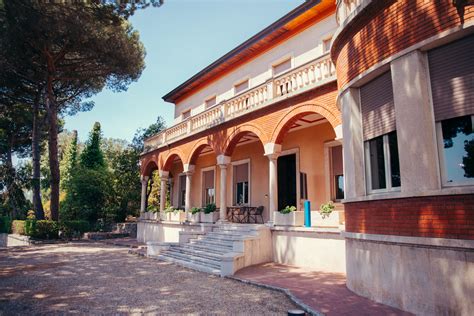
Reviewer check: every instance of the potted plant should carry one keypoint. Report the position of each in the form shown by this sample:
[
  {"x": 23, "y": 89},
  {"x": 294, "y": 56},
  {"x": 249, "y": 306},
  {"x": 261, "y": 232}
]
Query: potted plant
[
  {"x": 326, "y": 216},
  {"x": 175, "y": 214},
  {"x": 289, "y": 216},
  {"x": 194, "y": 215},
  {"x": 209, "y": 214},
  {"x": 152, "y": 212}
]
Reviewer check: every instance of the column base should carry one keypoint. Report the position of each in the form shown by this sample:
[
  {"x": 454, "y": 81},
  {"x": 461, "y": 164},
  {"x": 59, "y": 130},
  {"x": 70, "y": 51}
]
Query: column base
[{"x": 270, "y": 224}]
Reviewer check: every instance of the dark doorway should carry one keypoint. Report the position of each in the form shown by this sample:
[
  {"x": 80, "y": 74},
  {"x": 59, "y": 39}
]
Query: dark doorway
[{"x": 286, "y": 181}]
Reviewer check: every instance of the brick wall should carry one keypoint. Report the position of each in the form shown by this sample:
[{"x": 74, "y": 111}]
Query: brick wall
[
  {"x": 449, "y": 216},
  {"x": 388, "y": 27}
]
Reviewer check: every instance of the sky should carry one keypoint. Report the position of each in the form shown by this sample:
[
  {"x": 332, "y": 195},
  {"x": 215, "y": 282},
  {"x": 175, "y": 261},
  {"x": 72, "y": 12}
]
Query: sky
[{"x": 181, "y": 38}]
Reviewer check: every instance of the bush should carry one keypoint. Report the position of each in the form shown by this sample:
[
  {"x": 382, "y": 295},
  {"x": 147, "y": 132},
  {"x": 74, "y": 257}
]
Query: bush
[
  {"x": 18, "y": 227},
  {"x": 74, "y": 229},
  {"x": 195, "y": 210},
  {"x": 288, "y": 210},
  {"x": 210, "y": 208},
  {"x": 43, "y": 229},
  {"x": 326, "y": 209},
  {"x": 5, "y": 224}
]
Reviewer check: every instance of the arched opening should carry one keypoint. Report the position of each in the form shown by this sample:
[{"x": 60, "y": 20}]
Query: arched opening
[
  {"x": 310, "y": 164},
  {"x": 204, "y": 180},
  {"x": 150, "y": 173},
  {"x": 176, "y": 188}
]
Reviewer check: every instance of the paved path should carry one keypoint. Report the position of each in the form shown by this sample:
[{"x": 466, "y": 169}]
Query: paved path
[
  {"x": 94, "y": 278},
  {"x": 323, "y": 292}
]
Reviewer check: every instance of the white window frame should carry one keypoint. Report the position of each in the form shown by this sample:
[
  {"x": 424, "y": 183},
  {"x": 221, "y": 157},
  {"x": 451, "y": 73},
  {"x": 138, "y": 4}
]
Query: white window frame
[
  {"x": 186, "y": 111},
  {"x": 236, "y": 83},
  {"x": 281, "y": 61},
  {"x": 237, "y": 163},
  {"x": 330, "y": 185},
  {"x": 388, "y": 172},
  {"x": 209, "y": 98},
  {"x": 442, "y": 158},
  {"x": 213, "y": 168}
]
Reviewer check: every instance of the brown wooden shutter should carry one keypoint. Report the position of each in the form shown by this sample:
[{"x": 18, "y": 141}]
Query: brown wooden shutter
[
  {"x": 209, "y": 179},
  {"x": 378, "y": 111},
  {"x": 336, "y": 156},
  {"x": 452, "y": 78},
  {"x": 241, "y": 173}
]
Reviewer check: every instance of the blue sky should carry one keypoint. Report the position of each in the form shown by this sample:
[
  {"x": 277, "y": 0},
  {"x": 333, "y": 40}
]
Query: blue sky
[{"x": 181, "y": 38}]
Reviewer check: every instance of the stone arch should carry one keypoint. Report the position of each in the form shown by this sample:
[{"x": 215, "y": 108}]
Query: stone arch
[
  {"x": 241, "y": 131},
  {"x": 285, "y": 123},
  {"x": 148, "y": 166},
  {"x": 196, "y": 150},
  {"x": 168, "y": 160}
]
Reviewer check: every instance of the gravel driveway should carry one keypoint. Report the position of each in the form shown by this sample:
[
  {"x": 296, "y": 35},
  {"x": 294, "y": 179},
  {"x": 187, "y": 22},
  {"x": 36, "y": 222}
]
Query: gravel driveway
[{"x": 88, "y": 278}]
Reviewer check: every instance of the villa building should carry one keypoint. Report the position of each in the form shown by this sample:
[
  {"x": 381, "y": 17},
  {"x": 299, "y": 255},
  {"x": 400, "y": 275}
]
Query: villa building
[{"x": 365, "y": 104}]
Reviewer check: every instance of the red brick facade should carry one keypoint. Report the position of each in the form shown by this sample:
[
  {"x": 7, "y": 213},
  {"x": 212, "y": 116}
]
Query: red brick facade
[
  {"x": 448, "y": 216},
  {"x": 388, "y": 27}
]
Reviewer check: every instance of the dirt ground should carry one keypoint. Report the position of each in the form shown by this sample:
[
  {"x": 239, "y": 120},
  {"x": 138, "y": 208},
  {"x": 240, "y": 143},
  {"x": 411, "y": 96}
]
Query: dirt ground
[{"x": 89, "y": 278}]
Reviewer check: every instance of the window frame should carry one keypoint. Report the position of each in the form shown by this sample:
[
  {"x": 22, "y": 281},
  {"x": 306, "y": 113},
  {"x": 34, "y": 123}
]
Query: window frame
[
  {"x": 180, "y": 177},
  {"x": 238, "y": 83},
  {"x": 206, "y": 100},
  {"x": 234, "y": 187},
  {"x": 280, "y": 61},
  {"x": 185, "y": 112},
  {"x": 442, "y": 157},
  {"x": 212, "y": 168},
  {"x": 387, "y": 167}
]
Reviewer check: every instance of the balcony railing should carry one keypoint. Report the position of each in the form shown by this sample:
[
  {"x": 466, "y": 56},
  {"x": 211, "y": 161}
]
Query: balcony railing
[
  {"x": 310, "y": 75},
  {"x": 345, "y": 8}
]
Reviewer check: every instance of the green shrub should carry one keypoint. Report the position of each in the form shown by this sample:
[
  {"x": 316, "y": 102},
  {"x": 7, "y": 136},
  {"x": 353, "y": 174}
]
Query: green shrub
[
  {"x": 43, "y": 229},
  {"x": 326, "y": 209},
  {"x": 18, "y": 227},
  {"x": 210, "y": 208},
  {"x": 74, "y": 229},
  {"x": 5, "y": 224},
  {"x": 195, "y": 210},
  {"x": 288, "y": 210}
]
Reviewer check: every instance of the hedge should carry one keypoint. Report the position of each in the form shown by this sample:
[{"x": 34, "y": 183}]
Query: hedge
[
  {"x": 5, "y": 224},
  {"x": 71, "y": 229},
  {"x": 45, "y": 229}
]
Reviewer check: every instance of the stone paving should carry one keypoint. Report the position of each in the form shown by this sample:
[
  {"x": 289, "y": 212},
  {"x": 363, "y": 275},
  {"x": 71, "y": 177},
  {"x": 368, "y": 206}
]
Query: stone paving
[
  {"x": 95, "y": 278},
  {"x": 323, "y": 292}
]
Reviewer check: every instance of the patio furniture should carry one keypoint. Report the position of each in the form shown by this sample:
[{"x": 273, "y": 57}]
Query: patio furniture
[
  {"x": 238, "y": 214},
  {"x": 254, "y": 213}
]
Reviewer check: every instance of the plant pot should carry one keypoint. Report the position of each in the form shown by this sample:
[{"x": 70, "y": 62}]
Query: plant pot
[
  {"x": 329, "y": 221},
  {"x": 194, "y": 218},
  {"x": 145, "y": 215},
  {"x": 209, "y": 218},
  {"x": 291, "y": 219},
  {"x": 177, "y": 217},
  {"x": 154, "y": 215}
]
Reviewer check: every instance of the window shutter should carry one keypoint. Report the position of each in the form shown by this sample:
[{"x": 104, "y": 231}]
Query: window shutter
[
  {"x": 336, "y": 156},
  {"x": 452, "y": 79},
  {"x": 378, "y": 111},
  {"x": 209, "y": 179},
  {"x": 241, "y": 173}
]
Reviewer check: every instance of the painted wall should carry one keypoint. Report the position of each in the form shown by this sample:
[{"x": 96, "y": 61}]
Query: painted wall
[
  {"x": 302, "y": 48},
  {"x": 175, "y": 171},
  {"x": 205, "y": 161}
]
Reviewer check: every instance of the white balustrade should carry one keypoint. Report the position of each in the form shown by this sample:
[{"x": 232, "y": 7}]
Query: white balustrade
[
  {"x": 311, "y": 74},
  {"x": 345, "y": 8}
]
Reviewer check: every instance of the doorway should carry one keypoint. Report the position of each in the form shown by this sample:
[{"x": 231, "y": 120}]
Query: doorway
[{"x": 286, "y": 181}]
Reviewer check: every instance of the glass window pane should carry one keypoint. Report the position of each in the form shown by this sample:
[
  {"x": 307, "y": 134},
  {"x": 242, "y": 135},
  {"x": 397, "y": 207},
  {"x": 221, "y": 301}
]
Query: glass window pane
[
  {"x": 394, "y": 162},
  {"x": 458, "y": 140},
  {"x": 377, "y": 163},
  {"x": 339, "y": 182}
]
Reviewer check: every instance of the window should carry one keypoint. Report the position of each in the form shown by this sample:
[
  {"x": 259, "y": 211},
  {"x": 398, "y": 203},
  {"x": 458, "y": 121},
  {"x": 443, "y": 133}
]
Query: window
[
  {"x": 208, "y": 187},
  {"x": 241, "y": 184},
  {"x": 182, "y": 191},
  {"x": 383, "y": 168},
  {"x": 211, "y": 102},
  {"x": 186, "y": 114},
  {"x": 337, "y": 173},
  {"x": 327, "y": 44},
  {"x": 244, "y": 85},
  {"x": 282, "y": 67},
  {"x": 457, "y": 152},
  {"x": 304, "y": 186}
]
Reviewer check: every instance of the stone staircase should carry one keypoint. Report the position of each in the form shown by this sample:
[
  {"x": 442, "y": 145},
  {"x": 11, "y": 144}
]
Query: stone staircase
[{"x": 221, "y": 251}]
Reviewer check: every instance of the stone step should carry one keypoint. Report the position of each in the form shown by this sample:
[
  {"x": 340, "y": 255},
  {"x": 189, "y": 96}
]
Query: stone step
[
  {"x": 214, "y": 250},
  {"x": 196, "y": 252},
  {"x": 187, "y": 264},
  {"x": 213, "y": 244},
  {"x": 218, "y": 238},
  {"x": 194, "y": 258},
  {"x": 228, "y": 234}
]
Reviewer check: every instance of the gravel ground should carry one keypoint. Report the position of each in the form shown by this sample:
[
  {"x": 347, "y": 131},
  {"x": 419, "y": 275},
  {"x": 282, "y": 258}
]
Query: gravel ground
[{"x": 85, "y": 278}]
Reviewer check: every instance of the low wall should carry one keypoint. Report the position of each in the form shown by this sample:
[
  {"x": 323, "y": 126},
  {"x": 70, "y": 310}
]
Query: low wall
[
  {"x": 315, "y": 249},
  {"x": 13, "y": 240},
  {"x": 425, "y": 276},
  {"x": 164, "y": 231}
]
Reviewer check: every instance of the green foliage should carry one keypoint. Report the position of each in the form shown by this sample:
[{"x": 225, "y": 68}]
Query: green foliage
[
  {"x": 288, "y": 209},
  {"x": 30, "y": 214},
  {"x": 18, "y": 227},
  {"x": 68, "y": 161},
  {"x": 30, "y": 227},
  {"x": 92, "y": 157},
  {"x": 210, "y": 208},
  {"x": 152, "y": 209},
  {"x": 143, "y": 133},
  {"x": 43, "y": 229},
  {"x": 195, "y": 210},
  {"x": 5, "y": 224},
  {"x": 73, "y": 229},
  {"x": 326, "y": 209}
]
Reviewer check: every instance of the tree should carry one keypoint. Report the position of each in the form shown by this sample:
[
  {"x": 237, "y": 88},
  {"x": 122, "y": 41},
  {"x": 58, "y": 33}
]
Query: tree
[
  {"x": 92, "y": 156},
  {"x": 69, "y": 161},
  {"x": 143, "y": 133},
  {"x": 77, "y": 49}
]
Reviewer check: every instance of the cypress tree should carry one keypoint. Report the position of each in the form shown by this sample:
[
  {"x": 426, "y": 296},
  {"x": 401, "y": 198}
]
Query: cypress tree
[{"x": 92, "y": 157}]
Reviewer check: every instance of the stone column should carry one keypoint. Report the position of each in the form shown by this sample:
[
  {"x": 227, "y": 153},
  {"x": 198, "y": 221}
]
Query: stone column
[
  {"x": 353, "y": 144},
  {"x": 417, "y": 147},
  {"x": 144, "y": 180},
  {"x": 189, "y": 171},
  {"x": 272, "y": 151},
  {"x": 163, "y": 190},
  {"x": 223, "y": 162}
]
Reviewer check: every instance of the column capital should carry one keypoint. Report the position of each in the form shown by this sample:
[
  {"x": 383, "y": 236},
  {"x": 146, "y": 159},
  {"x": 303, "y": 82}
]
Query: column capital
[
  {"x": 188, "y": 169},
  {"x": 164, "y": 174},
  {"x": 272, "y": 149},
  {"x": 223, "y": 160}
]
